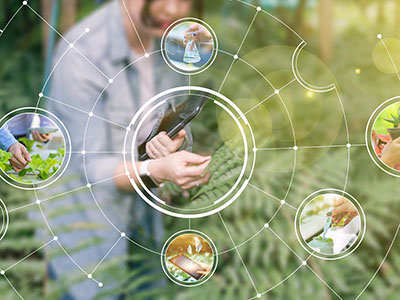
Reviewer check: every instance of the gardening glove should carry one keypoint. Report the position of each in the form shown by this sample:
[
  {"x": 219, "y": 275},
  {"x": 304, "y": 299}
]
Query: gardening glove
[{"x": 20, "y": 157}]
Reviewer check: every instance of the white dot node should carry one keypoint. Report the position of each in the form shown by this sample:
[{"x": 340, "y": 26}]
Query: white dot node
[
  {"x": 71, "y": 45},
  {"x": 55, "y": 238},
  {"x": 90, "y": 276},
  {"x": 283, "y": 202},
  {"x": 304, "y": 263},
  {"x": 123, "y": 234},
  {"x": 295, "y": 148},
  {"x": 110, "y": 80},
  {"x": 258, "y": 295},
  {"x": 91, "y": 114},
  {"x": 379, "y": 36},
  {"x": 266, "y": 225},
  {"x": 38, "y": 202},
  {"x": 277, "y": 92},
  {"x": 100, "y": 284},
  {"x": 146, "y": 55},
  {"x": 348, "y": 146},
  {"x": 88, "y": 185},
  {"x": 258, "y": 8},
  {"x": 2, "y": 272},
  {"x": 128, "y": 128},
  {"x": 127, "y": 173},
  {"x": 254, "y": 149},
  {"x": 87, "y": 30},
  {"x": 24, "y": 2},
  {"x": 235, "y": 56},
  {"x": 40, "y": 95},
  {"x": 123, "y": 152}
]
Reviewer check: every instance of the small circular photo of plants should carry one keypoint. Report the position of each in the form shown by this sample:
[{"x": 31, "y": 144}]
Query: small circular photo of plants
[
  {"x": 32, "y": 148},
  {"x": 386, "y": 136},
  {"x": 189, "y": 259},
  {"x": 330, "y": 224}
]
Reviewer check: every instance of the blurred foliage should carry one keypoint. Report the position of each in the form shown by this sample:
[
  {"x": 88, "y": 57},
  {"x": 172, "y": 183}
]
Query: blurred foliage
[{"x": 268, "y": 260}]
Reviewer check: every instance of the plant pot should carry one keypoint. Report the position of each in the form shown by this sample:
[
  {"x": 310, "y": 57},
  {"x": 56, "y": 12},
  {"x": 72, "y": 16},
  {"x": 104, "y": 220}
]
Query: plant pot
[
  {"x": 394, "y": 132},
  {"x": 324, "y": 246}
]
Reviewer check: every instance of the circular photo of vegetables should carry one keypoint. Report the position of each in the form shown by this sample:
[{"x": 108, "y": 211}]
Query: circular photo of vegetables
[
  {"x": 189, "y": 258},
  {"x": 330, "y": 225},
  {"x": 32, "y": 148},
  {"x": 385, "y": 137},
  {"x": 189, "y": 46}
]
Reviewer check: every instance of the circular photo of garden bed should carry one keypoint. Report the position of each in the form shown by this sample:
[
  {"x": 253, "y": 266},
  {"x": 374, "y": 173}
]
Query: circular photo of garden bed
[
  {"x": 189, "y": 46},
  {"x": 189, "y": 258},
  {"x": 32, "y": 149},
  {"x": 330, "y": 225},
  {"x": 385, "y": 136}
]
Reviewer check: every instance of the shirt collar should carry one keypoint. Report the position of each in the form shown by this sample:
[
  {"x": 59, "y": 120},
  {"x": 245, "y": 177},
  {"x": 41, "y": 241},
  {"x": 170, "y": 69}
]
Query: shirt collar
[{"x": 119, "y": 46}]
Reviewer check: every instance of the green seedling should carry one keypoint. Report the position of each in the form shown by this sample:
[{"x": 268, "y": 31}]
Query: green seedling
[
  {"x": 395, "y": 120},
  {"x": 4, "y": 160},
  {"x": 29, "y": 144}
]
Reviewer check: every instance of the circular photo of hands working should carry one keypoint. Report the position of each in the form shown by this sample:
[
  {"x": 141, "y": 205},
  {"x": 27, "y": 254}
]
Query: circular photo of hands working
[
  {"x": 330, "y": 225},
  {"x": 386, "y": 137},
  {"x": 189, "y": 46},
  {"x": 190, "y": 171},
  {"x": 32, "y": 148},
  {"x": 189, "y": 258}
]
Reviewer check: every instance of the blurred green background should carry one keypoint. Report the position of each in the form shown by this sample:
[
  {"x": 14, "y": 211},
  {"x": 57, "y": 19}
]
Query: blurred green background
[{"x": 342, "y": 48}]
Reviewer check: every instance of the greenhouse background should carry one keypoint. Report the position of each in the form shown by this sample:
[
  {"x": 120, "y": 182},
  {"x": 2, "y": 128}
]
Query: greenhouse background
[{"x": 342, "y": 47}]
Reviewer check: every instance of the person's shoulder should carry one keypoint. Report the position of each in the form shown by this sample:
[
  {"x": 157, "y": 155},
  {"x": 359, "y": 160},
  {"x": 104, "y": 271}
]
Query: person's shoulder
[{"x": 90, "y": 35}]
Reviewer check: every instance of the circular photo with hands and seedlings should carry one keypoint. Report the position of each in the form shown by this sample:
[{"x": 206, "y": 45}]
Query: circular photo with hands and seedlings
[
  {"x": 189, "y": 46},
  {"x": 217, "y": 162},
  {"x": 189, "y": 258},
  {"x": 330, "y": 225},
  {"x": 386, "y": 137},
  {"x": 32, "y": 148}
]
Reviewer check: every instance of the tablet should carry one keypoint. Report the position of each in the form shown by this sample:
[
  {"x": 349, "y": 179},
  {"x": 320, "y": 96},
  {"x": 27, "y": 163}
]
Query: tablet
[
  {"x": 187, "y": 265},
  {"x": 44, "y": 130}
]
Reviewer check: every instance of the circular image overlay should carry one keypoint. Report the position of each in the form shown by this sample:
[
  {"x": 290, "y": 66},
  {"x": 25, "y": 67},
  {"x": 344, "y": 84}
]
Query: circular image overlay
[
  {"x": 330, "y": 224},
  {"x": 383, "y": 136},
  {"x": 189, "y": 258},
  {"x": 3, "y": 219},
  {"x": 189, "y": 46},
  {"x": 33, "y": 145},
  {"x": 207, "y": 170}
]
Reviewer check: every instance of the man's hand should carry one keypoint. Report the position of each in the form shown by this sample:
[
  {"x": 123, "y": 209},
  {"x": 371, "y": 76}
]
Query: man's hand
[
  {"x": 343, "y": 207},
  {"x": 20, "y": 157},
  {"x": 198, "y": 33},
  {"x": 40, "y": 137},
  {"x": 162, "y": 145},
  {"x": 183, "y": 168},
  {"x": 391, "y": 153}
]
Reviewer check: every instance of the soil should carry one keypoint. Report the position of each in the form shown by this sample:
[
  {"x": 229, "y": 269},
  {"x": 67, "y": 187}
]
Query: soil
[{"x": 394, "y": 132}]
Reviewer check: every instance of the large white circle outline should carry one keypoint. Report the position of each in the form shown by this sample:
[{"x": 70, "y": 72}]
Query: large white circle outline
[
  {"x": 67, "y": 151},
  {"x": 310, "y": 198},
  {"x": 203, "y": 68},
  {"x": 189, "y": 231},
  {"x": 143, "y": 119},
  {"x": 226, "y": 204}
]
